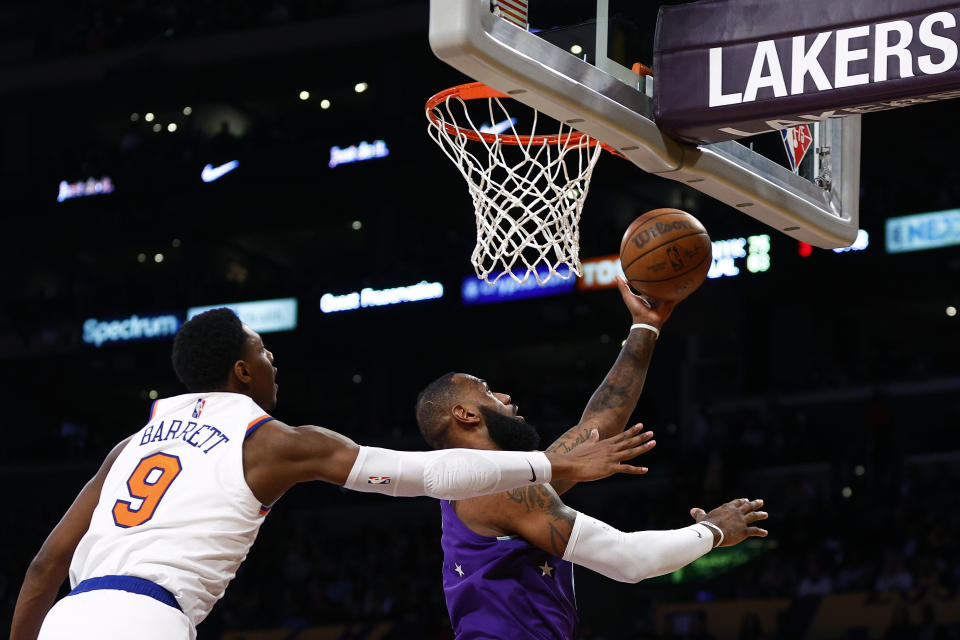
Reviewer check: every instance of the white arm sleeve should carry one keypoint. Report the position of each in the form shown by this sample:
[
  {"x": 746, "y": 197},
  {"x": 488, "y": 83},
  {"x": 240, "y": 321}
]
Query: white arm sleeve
[
  {"x": 631, "y": 557},
  {"x": 448, "y": 474}
]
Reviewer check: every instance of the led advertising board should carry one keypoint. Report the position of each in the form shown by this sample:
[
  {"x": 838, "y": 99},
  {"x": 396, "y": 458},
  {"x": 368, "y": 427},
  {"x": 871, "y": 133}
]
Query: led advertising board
[
  {"x": 263, "y": 316},
  {"x": 476, "y": 291},
  {"x": 134, "y": 328},
  {"x": 923, "y": 231}
]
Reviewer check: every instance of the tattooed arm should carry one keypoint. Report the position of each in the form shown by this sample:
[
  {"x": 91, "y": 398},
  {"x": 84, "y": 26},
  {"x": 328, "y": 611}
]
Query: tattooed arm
[
  {"x": 535, "y": 513},
  {"x": 614, "y": 400}
]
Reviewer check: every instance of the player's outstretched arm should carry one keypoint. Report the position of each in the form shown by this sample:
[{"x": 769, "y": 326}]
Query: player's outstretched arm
[
  {"x": 49, "y": 568},
  {"x": 613, "y": 402},
  {"x": 539, "y": 516},
  {"x": 278, "y": 456},
  {"x": 631, "y": 557}
]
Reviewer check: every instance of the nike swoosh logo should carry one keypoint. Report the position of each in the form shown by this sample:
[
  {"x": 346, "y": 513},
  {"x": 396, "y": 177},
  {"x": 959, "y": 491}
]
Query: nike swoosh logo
[
  {"x": 699, "y": 535},
  {"x": 211, "y": 173},
  {"x": 533, "y": 474},
  {"x": 500, "y": 127}
]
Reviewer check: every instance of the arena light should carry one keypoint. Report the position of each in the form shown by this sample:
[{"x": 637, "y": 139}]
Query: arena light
[
  {"x": 861, "y": 243},
  {"x": 923, "y": 231},
  {"x": 84, "y": 188},
  {"x": 172, "y": 127},
  {"x": 133, "y": 328},
  {"x": 148, "y": 117},
  {"x": 358, "y": 153},
  {"x": 134, "y": 117},
  {"x": 187, "y": 111},
  {"x": 951, "y": 311},
  {"x": 263, "y": 316},
  {"x": 360, "y": 87},
  {"x": 576, "y": 49},
  {"x": 324, "y": 104},
  {"x": 304, "y": 95},
  {"x": 369, "y": 297}
]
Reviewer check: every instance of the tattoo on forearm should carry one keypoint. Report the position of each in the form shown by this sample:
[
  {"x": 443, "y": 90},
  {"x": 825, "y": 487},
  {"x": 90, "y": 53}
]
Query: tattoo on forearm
[
  {"x": 615, "y": 398},
  {"x": 539, "y": 498},
  {"x": 570, "y": 440}
]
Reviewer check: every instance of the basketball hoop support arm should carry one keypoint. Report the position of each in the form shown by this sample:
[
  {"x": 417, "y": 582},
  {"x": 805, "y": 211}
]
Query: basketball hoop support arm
[{"x": 467, "y": 36}]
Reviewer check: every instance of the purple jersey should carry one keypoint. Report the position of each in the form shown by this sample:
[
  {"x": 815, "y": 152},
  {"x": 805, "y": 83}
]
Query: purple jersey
[{"x": 504, "y": 587}]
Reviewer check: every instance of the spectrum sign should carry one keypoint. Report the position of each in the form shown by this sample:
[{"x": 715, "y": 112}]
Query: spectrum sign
[
  {"x": 130, "y": 329},
  {"x": 923, "y": 231}
]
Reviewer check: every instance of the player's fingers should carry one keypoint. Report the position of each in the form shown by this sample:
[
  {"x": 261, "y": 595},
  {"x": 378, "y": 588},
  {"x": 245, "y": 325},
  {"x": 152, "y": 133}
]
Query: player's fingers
[
  {"x": 646, "y": 446},
  {"x": 633, "y": 452},
  {"x": 751, "y": 505},
  {"x": 753, "y": 516},
  {"x": 698, "y": 514},
  {"x": 635, "y": 441},
  {"x": 757, "y": 531},
  {"x": 632, "y": 470},
  {"x": 628, "y": 435}
]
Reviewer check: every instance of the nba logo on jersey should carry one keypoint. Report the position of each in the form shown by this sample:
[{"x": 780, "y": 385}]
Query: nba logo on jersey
[
  {"x": 198, "y": 408},
  {"x": 797, "y": 141},
  {"x": 378, "y": 480}
]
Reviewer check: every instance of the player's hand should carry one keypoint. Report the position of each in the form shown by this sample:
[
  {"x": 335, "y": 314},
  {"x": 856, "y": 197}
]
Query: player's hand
[
  {"x": 735, "y": 519},
  {"x": 644, "y": 309},
  {"x": 596, "y": 458}
]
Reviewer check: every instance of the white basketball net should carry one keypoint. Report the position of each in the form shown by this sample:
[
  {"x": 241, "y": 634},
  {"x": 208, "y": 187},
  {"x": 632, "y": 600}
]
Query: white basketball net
[{"x": 528, "y": 197}]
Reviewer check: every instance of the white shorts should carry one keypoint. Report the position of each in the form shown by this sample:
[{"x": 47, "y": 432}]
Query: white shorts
[{"x": 110, "y": 613}]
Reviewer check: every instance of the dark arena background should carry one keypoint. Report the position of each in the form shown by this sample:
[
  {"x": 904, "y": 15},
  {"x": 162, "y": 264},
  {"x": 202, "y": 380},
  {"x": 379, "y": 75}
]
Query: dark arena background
[{"x": 156, "y": 157}]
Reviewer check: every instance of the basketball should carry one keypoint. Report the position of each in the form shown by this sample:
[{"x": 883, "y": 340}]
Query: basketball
[{"x": 666, "y": 254}]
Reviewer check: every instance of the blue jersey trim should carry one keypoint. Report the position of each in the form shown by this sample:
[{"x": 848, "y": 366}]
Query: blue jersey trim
[
  {"x": 256, "y": 424},
  {"x": 130, "y": 584}
]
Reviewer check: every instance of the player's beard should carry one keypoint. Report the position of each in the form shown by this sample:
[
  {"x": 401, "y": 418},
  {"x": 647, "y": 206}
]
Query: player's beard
[{"x": 509, "y": 433}]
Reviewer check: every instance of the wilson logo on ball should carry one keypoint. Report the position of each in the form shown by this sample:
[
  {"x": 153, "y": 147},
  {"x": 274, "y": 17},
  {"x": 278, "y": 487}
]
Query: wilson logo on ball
[{"x": 659, "y": 229}]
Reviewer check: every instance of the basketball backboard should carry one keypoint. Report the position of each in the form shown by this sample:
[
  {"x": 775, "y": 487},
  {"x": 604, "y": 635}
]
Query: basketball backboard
[{"x": 580, "y": 74}]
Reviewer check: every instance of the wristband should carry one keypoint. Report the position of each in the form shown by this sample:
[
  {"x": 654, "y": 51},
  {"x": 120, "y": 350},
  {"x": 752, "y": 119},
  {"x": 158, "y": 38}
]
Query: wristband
[
  {"x": 650, "y": 327},
  {"x": 710, "y": 525}
]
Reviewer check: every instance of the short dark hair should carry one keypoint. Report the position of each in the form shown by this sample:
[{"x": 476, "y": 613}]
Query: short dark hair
[
  {"x": 206, "y": 347},
  {"x": 433, "y": 409}
]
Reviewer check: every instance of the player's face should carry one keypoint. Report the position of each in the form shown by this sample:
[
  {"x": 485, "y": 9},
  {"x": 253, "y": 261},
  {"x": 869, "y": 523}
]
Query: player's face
[
  {"x": 505, "y": 426},
  {"x": 495, "y": 401},
  {"x": 263, "y": 375}
]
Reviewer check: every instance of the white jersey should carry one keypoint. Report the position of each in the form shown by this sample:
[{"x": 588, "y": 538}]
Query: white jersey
[{"x": 175, "y": 507}]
